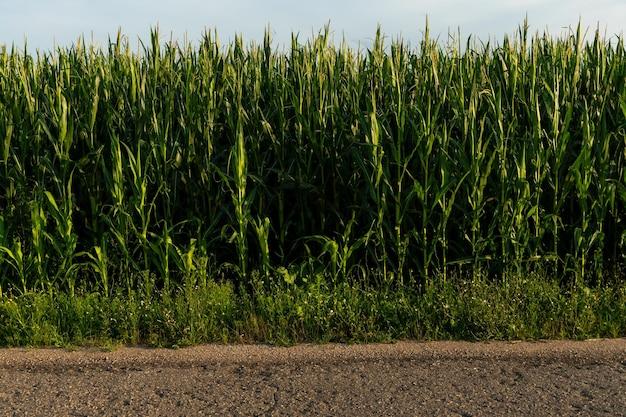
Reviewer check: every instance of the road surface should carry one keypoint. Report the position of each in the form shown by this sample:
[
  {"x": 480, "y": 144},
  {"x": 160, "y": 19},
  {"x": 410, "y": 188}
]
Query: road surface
[{"x": 405, "y": 379}]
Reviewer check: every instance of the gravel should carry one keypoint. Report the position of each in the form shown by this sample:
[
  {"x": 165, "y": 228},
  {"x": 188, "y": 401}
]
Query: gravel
[{"x": 404, "y": 378}]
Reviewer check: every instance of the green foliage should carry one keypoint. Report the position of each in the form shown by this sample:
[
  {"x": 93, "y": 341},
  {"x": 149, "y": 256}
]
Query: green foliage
[
  {"x": 143, "y": 175},
  {"x": 528, "y": 307},
  {"x": 487, "y": 156}
]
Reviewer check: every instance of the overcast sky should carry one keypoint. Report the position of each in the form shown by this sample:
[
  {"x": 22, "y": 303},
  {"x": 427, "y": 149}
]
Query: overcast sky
[{"x": 59, "y": 22}]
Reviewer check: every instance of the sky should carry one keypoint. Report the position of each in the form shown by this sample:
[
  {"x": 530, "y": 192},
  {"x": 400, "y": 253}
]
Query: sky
[{"x": 49, "y": 23}]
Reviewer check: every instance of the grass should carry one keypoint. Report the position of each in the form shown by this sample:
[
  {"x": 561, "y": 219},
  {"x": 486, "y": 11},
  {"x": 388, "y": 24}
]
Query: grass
[
  {"x": 530, "y": 308},
  {"x": 179, "y": 194}
]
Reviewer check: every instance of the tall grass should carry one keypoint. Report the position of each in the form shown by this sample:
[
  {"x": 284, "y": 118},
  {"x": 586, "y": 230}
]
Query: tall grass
[{"x": 393, "y": 165}]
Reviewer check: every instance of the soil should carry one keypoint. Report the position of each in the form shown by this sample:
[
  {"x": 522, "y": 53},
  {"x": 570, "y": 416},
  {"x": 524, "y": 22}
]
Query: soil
[{"x": 405, "y": 378}]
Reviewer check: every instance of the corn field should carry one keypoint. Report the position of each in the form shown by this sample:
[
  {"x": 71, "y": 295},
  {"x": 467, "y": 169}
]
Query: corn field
[{"x": 393, "y": 165}]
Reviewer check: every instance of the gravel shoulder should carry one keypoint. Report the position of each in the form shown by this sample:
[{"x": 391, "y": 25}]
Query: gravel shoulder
[{"x": 404, "y": 378}]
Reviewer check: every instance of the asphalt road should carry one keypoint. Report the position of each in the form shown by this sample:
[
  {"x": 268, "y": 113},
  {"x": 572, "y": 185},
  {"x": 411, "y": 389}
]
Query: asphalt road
[{"x": 436, "y": 378}]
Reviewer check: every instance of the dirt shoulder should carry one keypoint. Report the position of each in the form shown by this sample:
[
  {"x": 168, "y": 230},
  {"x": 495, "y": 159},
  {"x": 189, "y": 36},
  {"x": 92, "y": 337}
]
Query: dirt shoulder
[{"x": 405, "y": 378}]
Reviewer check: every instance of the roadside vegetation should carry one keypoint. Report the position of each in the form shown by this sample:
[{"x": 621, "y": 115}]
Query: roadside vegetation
[{"x": 179, "y": 194}]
